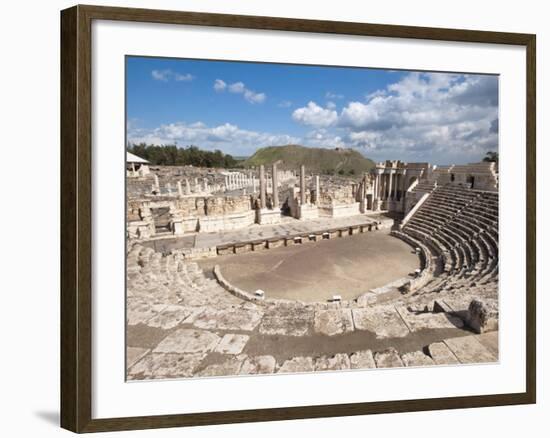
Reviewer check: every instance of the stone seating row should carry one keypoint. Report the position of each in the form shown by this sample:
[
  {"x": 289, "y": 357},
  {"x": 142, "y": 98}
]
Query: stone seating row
[
  {"x": 462, "y": 234},
  {"x": 169, "y": 278}
]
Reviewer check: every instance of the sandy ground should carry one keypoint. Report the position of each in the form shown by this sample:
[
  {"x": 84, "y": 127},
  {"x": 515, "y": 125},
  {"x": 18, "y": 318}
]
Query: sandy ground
[{"x": 316, "y": 271}]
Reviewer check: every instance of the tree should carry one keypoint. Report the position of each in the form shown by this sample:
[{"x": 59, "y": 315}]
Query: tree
[
  {"x": 171, "y": 155},
  {"x": 491, "y": 157}
]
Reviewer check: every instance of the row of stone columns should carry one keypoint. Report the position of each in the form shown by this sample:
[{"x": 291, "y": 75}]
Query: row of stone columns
[
  {"x": 265, "y": 186},
  {"x": 388, "y": 185},
  {"x": 238, "y": 180},
  {"x": 203, "y": 187}
]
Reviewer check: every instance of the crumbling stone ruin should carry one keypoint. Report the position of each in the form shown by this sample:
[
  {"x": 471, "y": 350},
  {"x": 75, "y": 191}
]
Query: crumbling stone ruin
[{"x": 204, "y": 325}]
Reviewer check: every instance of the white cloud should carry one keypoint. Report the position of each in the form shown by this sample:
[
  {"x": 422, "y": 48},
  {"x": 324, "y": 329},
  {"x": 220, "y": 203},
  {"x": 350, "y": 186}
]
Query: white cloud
[
  {"x": 237, "y": 87},
  {"x": 435, "y": 117},
  {"x": 227, "y": 137},
  {"x": 166, "y": 75},
  {"x": 323, "y": 138},
  {"x": 423, "y": 116},
  {"x": 331, "y": 95},
  {"x": 315, "y": 115},
  {"x": 160, "y": 75},
  {"x": 253, "y": 97},
  {"x": 219, "y": 85},
  {"x": 240, "y": 88},
  {"x": 183, "y": 77}
]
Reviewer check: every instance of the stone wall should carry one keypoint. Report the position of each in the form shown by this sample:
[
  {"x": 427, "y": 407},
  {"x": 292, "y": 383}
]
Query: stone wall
[
  {"x": 199, "y": 206},
  {"x": 479, "y": 176},
  {"x": 337, "y": 195},
  {"x": 191, "y": 213}
]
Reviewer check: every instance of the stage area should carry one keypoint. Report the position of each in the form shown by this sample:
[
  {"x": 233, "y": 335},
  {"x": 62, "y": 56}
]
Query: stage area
[{"x": 315, "y": 271}]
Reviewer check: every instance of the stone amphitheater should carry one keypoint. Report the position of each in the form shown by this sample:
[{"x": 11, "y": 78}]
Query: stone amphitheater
[{"x": 208, "y": 293}]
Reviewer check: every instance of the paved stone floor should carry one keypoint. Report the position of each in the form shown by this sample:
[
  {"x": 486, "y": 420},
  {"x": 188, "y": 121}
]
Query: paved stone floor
[
  {"x": 288, "y": 226},
  {"x": 237, "y": 342},
  {"x": 181, "y": 323},
  {"x": 315, "y": 271}
]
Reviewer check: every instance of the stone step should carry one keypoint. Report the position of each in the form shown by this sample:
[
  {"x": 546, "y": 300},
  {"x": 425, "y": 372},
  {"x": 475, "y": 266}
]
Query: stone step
[{"x": 468, "y": 349}]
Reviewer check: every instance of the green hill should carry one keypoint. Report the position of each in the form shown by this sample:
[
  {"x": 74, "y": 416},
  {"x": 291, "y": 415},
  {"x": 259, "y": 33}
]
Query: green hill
[{"x": 325, "y": 161}]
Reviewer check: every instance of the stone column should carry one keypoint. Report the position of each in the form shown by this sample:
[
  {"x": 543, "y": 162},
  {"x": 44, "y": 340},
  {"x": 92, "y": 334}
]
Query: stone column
[
  {"x": 262, "y": 186},
  {"x": 404, "y": 189},
  {"x": 317, "y": 190},
  {"x": 363, "y": 194},
  {"x": 205, "y": 184},
  {"x": 376, "y": 187},
  {"x": 274, "y": 177},
  {"x": 302, "y": 184},
  {"x": 157, "y": 184},
  {"x": 187, "y": 187},
  {"x": 396, "y": 185},
  {"x": 390, "y": 185},
  {"x": 180, "y": 191}
]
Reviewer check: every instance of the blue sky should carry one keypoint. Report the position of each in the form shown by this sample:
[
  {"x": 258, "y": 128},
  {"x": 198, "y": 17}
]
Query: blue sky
[{"x": 238, "y": 107}]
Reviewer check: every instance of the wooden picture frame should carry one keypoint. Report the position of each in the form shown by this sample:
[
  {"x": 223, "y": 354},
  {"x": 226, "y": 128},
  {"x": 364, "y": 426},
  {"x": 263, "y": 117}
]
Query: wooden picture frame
[{"x": 76, "y": 217}]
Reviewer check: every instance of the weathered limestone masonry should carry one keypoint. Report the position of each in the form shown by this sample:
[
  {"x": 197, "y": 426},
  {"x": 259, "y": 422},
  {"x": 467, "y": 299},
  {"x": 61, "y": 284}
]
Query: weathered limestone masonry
[
  {"x": 272, "y": 215},
  {"x": 202, "y": 330},
  {"x": 135, "y": 166},
  {"x": 311, "y": 233},
  {"x": 480, "y": 176},
  {"x": 305, "y": 210},
  {"x": 391, "y": 182},
  {"x": 178, "y": 215},
  {"x": 446, "y": 312},
  {"x": 457, "y": 229}
]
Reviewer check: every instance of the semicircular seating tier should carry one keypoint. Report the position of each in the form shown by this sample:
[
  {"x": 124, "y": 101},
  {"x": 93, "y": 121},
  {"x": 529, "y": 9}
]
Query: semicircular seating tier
[{"x": 459, "y": 228}]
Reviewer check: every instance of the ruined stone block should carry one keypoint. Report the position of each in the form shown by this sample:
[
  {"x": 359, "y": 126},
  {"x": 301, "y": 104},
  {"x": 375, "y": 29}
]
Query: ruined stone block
[
  {"x": 362, "y": 359},
  {"x": 416, "y": 359},
  {"x": 229, "y": 319},
  {"x": 383, "y": 321},
  {"x": 441, "y": 354},
  {"x": 188, "y": 341},
  {"x": 228, "y": 367},
  {"x": 333, "y": 321},
  {"x": 258, "y": 365},
  {"x": 469, "y": 350},
  {"x": 165, "y": 365},
  {"x": 339, "y": 361},
  {"x": 427, "y": 320},
  {"x": 297, "y": 365},
  {"x": 388, "y": 358},
  {"x": 481, "y": 317},
  {"x": 170, "y": 317}
]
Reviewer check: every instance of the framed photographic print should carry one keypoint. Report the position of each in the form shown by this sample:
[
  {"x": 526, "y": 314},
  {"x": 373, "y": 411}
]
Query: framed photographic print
[{"x": 269, "y": 218}]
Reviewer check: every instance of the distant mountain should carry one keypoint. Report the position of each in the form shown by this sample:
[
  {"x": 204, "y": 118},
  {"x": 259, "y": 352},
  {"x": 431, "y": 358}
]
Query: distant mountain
[{"x": 325, "y": 161}]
